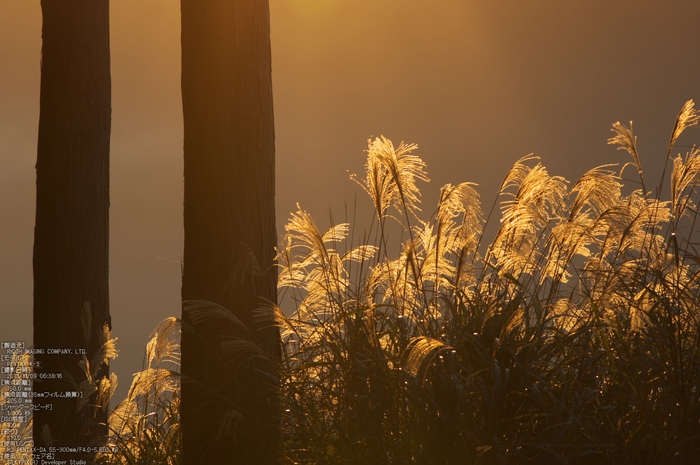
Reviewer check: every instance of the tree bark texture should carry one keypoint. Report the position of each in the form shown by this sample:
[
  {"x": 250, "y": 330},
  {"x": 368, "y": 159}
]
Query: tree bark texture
[
  {"x": 229, "y": 397},
  {"x": 71, "y": 297}
]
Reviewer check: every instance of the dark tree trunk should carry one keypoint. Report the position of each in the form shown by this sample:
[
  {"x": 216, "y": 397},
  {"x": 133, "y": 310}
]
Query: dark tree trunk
[
  {"x": 72, "y": 214},
  {"x": 229, "y": 407}
]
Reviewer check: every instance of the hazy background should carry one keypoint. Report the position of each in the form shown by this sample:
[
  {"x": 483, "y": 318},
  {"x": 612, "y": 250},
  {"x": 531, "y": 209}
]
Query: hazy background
[{"x": 476, "y": 84}]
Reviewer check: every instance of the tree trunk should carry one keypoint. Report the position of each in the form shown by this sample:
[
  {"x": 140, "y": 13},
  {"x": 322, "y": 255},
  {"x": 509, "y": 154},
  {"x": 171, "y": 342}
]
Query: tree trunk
[
  {"x": 71, "y": 297},
  {"x": 229, "y": 407}
]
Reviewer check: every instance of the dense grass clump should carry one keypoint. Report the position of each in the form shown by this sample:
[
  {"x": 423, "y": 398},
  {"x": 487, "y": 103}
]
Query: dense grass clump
[
  {"x": 574, "y": 338},
  {"x": 145, "y": 427}
]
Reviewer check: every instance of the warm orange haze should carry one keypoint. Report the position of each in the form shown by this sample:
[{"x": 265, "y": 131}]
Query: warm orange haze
[{"x": 476, "y": 85}]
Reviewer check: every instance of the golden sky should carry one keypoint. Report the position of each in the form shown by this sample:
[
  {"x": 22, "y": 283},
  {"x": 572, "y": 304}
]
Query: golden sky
[{"x": 476, "y": 84}]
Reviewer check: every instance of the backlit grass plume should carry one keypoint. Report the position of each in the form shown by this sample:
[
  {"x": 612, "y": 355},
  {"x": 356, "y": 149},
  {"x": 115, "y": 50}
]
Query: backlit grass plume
[{"x": 391, "y": 174}]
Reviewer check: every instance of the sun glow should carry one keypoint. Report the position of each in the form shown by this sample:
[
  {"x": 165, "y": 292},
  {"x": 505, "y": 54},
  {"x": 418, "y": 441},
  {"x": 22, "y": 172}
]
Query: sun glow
[{"x": 313, "y": 9}]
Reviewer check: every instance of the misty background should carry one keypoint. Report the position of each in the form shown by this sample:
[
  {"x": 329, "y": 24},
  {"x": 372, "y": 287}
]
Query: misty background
[{"x": 476, "y": 84}]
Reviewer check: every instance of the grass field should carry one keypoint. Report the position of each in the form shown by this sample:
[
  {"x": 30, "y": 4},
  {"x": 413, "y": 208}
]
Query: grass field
[{"x": 572, "y": 337}]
